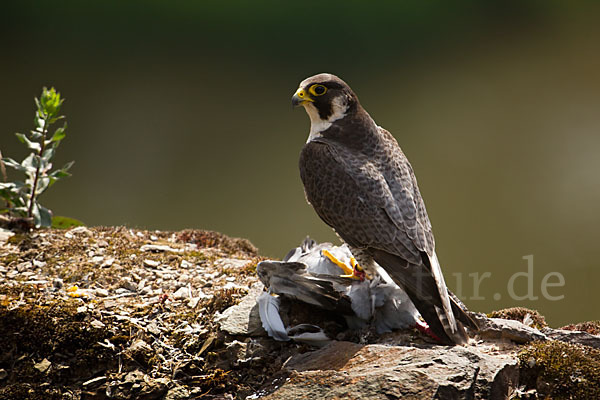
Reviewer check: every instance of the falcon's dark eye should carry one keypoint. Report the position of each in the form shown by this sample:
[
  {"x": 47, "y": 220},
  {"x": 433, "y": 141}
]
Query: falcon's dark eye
[{"x": 317, "y": 90}]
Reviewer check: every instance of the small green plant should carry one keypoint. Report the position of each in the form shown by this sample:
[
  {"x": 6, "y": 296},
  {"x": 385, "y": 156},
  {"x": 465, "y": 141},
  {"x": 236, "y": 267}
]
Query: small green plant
[{"x": 21, "y": 198}]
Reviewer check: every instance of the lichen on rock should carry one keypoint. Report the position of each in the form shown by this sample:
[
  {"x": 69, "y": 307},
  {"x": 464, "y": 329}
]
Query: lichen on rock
[
  {"x": 559, "y": 370},
  {"x": 524, "y": 315}
]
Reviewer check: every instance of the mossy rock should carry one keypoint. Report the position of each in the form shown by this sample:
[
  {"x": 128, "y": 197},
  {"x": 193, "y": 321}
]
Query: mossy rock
[
  {"x": 211, "y": 239},
  {"x": 559, "y": 370},
  {"x": 591, "y": 327},
  {"x": 55, "y": 332},
  {"x": 519, "y": 314}
]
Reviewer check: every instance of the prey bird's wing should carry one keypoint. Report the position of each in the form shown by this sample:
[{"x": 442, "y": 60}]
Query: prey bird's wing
[{"x": 291, "y": 279}]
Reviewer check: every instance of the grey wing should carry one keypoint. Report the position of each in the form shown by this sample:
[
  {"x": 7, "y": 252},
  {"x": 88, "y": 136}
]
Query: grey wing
[
  {"x": 402, "y": 183},
  {"x": 350, "y": 194}
]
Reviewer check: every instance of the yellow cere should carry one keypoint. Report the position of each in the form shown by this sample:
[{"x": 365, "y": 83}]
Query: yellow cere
[{"x": 303, "y": 95}]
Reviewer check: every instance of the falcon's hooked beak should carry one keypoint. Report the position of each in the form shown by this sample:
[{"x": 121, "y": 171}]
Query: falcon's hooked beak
[{"x": 300, "y": 98}]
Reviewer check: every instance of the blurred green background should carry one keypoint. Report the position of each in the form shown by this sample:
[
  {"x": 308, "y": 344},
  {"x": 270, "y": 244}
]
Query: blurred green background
[{"x": 179, "y": 117}]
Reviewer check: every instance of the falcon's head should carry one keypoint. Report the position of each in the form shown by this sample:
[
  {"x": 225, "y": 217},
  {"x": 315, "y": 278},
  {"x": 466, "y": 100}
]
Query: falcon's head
[{"x": 326, "y": 98}]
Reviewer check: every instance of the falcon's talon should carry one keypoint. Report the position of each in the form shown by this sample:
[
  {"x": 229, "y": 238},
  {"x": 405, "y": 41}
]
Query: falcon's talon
[
  {"x": 349, "y": 272},
  {"x": 357, "y": 271},
  {"x": 424, "y": 328}
]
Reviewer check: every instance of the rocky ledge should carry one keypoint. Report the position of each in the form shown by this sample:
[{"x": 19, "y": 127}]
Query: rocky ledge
[{"x": 118, "y": 313}]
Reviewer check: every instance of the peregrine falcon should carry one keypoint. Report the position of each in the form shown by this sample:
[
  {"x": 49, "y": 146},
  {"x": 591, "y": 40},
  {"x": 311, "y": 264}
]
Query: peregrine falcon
[{"x": 361, "y": 184}]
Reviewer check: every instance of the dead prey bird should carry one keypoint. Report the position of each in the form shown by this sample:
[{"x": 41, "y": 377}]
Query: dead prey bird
[
  {"x": 360, "y": 183},
  {"x": 311, "y": 273}
]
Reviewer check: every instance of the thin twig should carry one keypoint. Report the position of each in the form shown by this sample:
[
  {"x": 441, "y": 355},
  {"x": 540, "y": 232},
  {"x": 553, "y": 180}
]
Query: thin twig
[
  {"x": 37, "y": 171},
  {"x": 3, "y": 168},
  {"x": 5, "y": 179}
]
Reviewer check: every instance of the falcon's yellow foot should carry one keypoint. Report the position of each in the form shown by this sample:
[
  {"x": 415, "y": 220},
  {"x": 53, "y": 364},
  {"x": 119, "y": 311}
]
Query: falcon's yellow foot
[
  {"x": 356, "y": 272},
  {"x": 347, "y": 270}
]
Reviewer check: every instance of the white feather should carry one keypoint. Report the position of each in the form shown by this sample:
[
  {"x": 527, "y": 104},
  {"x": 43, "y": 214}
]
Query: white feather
[
  {"x": 268, "y": 308},
  {"x": 318, "y": 125},
  {"x": 384, "y": 275},
  {"x": 360, "y": 294},
  {"x": 317, "y": 339},
  {"x": 309, "y": 334},
  {"x": 443, "y": 290}
]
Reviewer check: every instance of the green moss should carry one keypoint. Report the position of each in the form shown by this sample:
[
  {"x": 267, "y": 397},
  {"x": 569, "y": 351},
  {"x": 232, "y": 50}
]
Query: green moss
[
  {"x": 9, "y": 258},
  {"x": 250, "y": 268},
  {"x": 59, "y": 222},
  {"x": 119, "y": 340},
  {"x": 44, "y": 329},
  {"x": 519, "y": 314},
  {"x": 22, "y": 390},
  {"x": 204, "y": 239},
  {"x": 559, "y": 370},
  {"x": 215, "y": 379},
  {"x": 18, "y": 238},
  {"x": 194, "y": 256},
  {"x": 52, "y": 331},
  {"x": 224, "y": 299}
]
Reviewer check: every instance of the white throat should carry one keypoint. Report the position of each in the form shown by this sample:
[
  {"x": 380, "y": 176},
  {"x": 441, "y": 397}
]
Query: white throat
[{"x": 318, "y": 125}]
